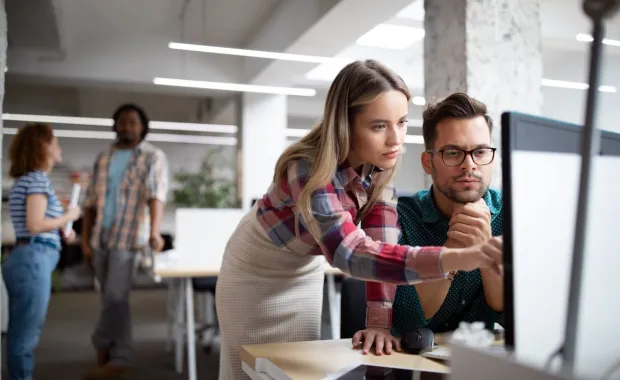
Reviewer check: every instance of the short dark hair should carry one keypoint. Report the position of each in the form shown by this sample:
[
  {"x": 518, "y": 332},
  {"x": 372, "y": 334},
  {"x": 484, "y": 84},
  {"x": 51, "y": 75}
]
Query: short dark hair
[
  {"x": 457, "y": 105},
  {"x": 129, "y": 107},
  {"x": 28, "y": 149}
]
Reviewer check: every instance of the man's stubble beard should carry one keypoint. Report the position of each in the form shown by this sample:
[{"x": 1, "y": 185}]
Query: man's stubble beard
[{"x": 457, "y": 196}]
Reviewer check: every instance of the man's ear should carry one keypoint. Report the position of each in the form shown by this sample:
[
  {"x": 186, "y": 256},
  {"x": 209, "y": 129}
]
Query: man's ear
[{"x": 427, "y": 165}]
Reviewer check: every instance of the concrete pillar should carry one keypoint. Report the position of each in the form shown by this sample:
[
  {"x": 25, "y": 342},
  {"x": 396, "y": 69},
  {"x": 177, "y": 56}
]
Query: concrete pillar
[
  {"x": 261, "y": 141},
  {"x": 489, "y": 49}
]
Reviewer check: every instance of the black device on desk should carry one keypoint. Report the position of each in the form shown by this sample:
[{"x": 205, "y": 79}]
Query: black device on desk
[
  {"x": 369, "y": 372},
  {"x": 418, "y": 341}
]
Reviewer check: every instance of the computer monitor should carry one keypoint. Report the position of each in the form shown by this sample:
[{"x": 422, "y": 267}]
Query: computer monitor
[{"x": 541, "y": 168}]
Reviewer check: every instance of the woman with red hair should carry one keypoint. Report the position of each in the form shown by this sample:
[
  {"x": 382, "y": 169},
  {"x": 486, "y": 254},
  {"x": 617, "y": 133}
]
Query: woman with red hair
[{"x": 37, "y": 218}]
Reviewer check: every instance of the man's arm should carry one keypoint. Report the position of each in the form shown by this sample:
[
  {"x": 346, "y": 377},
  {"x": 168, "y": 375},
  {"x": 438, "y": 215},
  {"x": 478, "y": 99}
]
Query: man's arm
[
  {"x": 158, "y": 192},
  {"x": 493, "y": 285},
  {"x": 89, "y": 211},
  {"x": 470, "y": 225},
  {"x": 156, "y": 210},
  {"x": 88, "y": 220}
]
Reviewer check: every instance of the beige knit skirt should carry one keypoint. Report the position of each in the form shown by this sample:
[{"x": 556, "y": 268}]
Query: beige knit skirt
[{"x": 265, "y": 295}]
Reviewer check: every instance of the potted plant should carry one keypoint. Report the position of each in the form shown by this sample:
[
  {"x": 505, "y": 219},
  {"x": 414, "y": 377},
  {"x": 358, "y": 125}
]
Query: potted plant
[{"x": 209, "y": 187}]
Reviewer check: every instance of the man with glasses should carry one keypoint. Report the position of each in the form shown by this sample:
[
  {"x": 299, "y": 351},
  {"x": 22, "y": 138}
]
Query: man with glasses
[{"x": 459, "y": 210}]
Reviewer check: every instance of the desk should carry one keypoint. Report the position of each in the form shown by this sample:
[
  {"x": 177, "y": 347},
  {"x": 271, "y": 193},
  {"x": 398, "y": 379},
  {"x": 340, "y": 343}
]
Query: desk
[
  {"x": 181, "y": 285},
  {"x": 315, "y": 360},
  {"x": 181, "y": 293}
]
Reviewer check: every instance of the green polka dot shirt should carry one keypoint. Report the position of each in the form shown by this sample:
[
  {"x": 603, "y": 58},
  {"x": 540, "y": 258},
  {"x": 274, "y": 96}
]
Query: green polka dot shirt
[{"x": 424, "y": 225}]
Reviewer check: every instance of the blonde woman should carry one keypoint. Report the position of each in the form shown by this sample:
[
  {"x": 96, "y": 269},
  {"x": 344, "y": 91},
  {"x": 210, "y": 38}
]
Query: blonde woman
[{"x": 336, "y": 178}]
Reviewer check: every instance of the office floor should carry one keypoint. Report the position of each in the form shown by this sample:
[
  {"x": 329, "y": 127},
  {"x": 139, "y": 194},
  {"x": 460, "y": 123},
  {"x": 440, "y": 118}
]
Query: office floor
[{"x": 65, "y": 352}]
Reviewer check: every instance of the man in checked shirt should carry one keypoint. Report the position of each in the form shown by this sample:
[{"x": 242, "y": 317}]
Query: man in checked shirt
[
  {"x": 123, "y": 209},
  {"x": 459, "y": 210}
]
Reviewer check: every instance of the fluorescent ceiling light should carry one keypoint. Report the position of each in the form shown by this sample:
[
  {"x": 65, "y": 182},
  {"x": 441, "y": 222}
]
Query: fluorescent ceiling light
[
  {"x": 389, "y": 36},
  {"x": 582, "y": 37},
  {"x": 574, "y": 85},
  {"x": 237, "y": 87},
  {"x": 94, "y": 121},
  {"x": 298, "y": 132},
  {"x": 249, "y": 53},
  {"x": 418, "y": 100},
  {"x": 160, "y": 137}
]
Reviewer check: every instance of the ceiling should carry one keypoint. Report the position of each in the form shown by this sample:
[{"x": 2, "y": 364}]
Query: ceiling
[
  {"x": 561, "y": 21},
  {"x": 122, "y": 44}
]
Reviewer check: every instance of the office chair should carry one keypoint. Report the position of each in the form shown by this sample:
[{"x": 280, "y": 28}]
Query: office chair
[{"x": 352, "y": 307}]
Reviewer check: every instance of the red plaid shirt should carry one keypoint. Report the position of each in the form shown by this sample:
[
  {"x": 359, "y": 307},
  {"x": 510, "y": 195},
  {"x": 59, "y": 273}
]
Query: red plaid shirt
[{"x": 369, "y": 253}]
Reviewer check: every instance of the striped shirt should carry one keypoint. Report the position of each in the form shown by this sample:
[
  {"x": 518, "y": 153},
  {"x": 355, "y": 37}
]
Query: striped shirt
[
  {"x": 145, "y": 178},
  {"x": 368, "y": 253},
  {"x": 35, "y": 182}
]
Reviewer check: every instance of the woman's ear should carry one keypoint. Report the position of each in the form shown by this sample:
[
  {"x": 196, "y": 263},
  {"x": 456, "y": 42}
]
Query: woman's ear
[{"x": 426, "y": 159}]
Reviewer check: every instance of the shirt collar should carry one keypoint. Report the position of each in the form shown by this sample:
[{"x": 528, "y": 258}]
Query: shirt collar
[
  {"x": 347, "y": 174},
  {"x": 140, "y": 147},
  {"x": 431, "y": 214}
]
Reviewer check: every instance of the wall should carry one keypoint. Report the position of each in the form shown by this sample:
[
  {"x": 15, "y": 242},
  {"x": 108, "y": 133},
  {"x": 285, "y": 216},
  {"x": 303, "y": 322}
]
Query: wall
[
  {"x": 80, "y": 154},
  {"x": 33, "y": 98},
  {"x": 570, "y": 106}
]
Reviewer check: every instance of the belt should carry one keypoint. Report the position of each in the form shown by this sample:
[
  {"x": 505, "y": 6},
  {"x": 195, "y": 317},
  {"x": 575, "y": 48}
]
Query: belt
[{"x": 37, "y": 240}]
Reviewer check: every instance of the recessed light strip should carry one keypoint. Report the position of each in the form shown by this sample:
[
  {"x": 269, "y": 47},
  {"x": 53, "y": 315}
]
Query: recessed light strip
[
  {"x": 94, "y": 121},
  {"x": 575, "y": 85},
  {"x": 582, "y": 37},
  {"x": 237, "y": 87},
  {"x": 249, "y": 53},
  {"x": 160, "y": 137}
]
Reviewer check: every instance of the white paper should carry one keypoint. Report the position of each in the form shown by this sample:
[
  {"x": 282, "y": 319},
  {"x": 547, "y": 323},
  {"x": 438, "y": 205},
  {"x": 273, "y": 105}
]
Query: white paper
[{"x": 75, "y": 196}]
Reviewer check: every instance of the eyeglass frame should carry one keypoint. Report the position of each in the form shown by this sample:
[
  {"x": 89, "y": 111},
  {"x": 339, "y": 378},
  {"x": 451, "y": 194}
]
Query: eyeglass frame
[{"x": 466, "y": 153}]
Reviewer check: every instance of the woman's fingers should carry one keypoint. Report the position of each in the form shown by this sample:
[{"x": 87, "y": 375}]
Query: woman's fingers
[
  {"x": 357, "y": 338},
  {"x": 369, "y": 339},
  {"x": 379, "y": 344}
]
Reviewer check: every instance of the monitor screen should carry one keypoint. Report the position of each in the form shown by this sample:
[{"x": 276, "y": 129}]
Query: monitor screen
[{"x": 541, "y": 161}]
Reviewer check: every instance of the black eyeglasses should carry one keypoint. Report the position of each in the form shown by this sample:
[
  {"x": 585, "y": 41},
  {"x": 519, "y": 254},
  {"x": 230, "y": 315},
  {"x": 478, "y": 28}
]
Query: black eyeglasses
[{"x": 455, "y": 157}]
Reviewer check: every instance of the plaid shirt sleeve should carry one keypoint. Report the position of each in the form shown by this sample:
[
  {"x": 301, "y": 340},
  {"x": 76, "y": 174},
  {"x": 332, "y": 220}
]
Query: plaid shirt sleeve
[
  {"x": 158, "y": 178},
  {"x": 381, "y": 224},
  {"x": 90, "y": 199},
  {"x": 350, "y": 249}
]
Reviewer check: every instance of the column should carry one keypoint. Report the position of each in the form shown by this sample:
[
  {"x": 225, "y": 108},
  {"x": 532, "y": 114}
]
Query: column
[
  {"x": 489, "y": 49},
  {"x": 261, "y": 140}
]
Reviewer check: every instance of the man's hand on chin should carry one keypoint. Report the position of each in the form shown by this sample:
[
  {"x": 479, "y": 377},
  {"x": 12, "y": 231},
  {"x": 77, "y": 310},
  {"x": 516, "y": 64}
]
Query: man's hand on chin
[{"x": 470, "y": 223}]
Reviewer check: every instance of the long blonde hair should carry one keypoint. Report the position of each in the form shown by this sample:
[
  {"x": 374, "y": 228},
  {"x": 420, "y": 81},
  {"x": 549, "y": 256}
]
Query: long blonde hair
[{"x": 328, "y": 143}]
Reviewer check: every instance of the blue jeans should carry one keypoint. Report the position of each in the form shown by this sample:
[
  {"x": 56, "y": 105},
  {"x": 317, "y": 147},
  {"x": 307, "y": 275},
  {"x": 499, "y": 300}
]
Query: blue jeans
[{"x": 27, "y": 274}]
